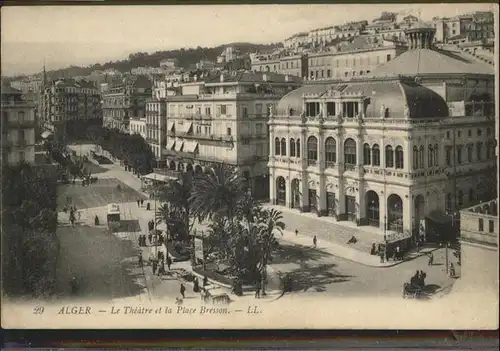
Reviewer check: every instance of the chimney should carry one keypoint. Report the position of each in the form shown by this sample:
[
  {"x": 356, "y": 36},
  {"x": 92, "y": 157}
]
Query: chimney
[{"x": 222, "y": 77}]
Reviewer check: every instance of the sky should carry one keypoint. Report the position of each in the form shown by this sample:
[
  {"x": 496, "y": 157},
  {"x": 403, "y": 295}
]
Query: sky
[{"x": 81, "y": 35}]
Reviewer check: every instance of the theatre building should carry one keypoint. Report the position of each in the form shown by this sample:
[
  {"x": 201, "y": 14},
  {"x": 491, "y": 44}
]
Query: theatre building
[{"x": 401, "y": 150}]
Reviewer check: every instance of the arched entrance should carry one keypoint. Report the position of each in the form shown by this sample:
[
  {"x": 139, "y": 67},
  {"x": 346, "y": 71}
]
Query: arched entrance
[
  {"x": 295, "y": 193},
  {"x": 189, "y": 168},
  {"x": 395, "y": 213},
  {"x": 180, "y": 167},
  {"x": 372, "y": 208},
  {"x": 198, "y": 169},
  {"x": 172, "y": 165},
  {"x": 280, "y": 191}
]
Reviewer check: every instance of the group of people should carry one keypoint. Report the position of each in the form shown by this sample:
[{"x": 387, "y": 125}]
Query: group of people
[
  {"x": 418, "y": 279},
  {"x": 140, "y": 203},
  {"x": 385, "y": 253},
  {"x": 154, "y": 239}
]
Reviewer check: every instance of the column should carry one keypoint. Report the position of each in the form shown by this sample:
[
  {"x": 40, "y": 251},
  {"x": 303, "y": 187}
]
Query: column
[
  {"x": 272, "y": 151},
  {"x": 383, "y": 211},
  {"x": 340, "y": 210},
  {"x": 407, "y": 212},
  {"x": 272, "y": 186},
  {"x": 359, "y": 152},
  {"x": 289, "y": 192},
  {"x": 408, "y": 155},
  {"x": 321, "y": 189},
  {"x": 305, "y": 193},
  {"x": 360, "y": 200}
]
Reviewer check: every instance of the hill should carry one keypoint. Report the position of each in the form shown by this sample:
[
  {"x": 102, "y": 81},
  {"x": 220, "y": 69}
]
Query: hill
[{"x": 185, "y": 57}]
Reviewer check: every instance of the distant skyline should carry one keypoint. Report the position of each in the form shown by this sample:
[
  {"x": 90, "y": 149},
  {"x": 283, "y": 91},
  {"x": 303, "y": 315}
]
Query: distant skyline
[{"x": 82, "y": 35}]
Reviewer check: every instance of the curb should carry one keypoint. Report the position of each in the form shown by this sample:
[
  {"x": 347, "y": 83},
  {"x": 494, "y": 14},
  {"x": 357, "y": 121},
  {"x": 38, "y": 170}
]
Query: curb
[{"x": 392, "y": 264}]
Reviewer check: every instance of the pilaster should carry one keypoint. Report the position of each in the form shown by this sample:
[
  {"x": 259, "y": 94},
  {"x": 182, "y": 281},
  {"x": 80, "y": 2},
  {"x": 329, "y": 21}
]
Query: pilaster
[{"x": 272, "y": 186}]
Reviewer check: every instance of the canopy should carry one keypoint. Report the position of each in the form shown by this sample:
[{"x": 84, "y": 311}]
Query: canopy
[
  {"x": 170, "y": 126},
  {"x": 46, "y": 134},
  {"x": 393, "y": 237},
  {"x": 439, "y": 217},
  {"x": 190, "y": 146},
  {"x": 170, "y": 144},
  {"x": 157, "y": 177},
  {"x": 178, "y": 145}
]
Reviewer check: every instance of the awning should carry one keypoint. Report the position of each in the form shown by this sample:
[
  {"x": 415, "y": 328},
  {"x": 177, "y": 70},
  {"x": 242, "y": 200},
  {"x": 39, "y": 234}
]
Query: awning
[
  {"x": 190, "y": 146},
  {"x": 394, "y": 237},
  {"x": 178, "y": 145},
  {"x": 157, "y": 177},
  {"x": 46, "y": 134},
  {"x": 170, "y": 144},
  {"x": 170, "y": 126},
  {"x": 439, "y": 217}
]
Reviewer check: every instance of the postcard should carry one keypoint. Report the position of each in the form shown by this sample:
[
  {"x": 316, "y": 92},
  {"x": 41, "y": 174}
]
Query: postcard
[{"x": 250, "y": 166}]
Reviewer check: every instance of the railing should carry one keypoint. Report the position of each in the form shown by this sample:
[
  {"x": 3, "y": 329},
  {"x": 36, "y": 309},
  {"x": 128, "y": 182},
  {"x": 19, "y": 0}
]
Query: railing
[
  {"x": 168, "y": 172},
  {"x": 349, "y": 167},
  {"x": 311, "y": 162},
  {"x": 330, "y": 164}
]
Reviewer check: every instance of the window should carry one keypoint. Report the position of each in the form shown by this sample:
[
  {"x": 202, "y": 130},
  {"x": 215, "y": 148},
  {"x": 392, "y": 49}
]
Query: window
[
  {"x": 421, "y": 157},
  {"x": 459, "y": 154},
  {"x": 223, "y": 109},
  {"x": 350, "y": 152},
  {"x": 479, "y": 151},
  {"x": 430, "y": 156},
  {"x": 479, "y": 132},
  {"x": 448, "y": 155},
  {"x": 298, "y": 147},
  {"x": 448, "y": 202},
  {"x": 366, "y": 154},
  {"x": 436, "y": 155},
  {"x": 312, "y": 109},
  {"x": 258, "y": 128},
  {"x": 312, "y": 148},
  {"x": 460, "y": 198},
  {"x": 330, "y": 151},
  {"x": 283, "y": 146},
  {"x": 415, "y": 157},
  {"x": 375, "y": 155},
  {"x": 399, "y": 157},
  {"x": 481, "y": 225},
  {"x": 389, "y": 156},
  {"x": 388, "y": 57},
  {"x": 469, "y": 152},
  {"x": 258, "y": 110},
  {"x": 491, "y": 225},
  {"x": 22, "y": 156},
  {"x": 244, "y": 111},
  {"x": 488, "y": 131},
  {"x": 448, "y": 135},
  {"x": 469, "y": 133},
  {"x": 459, "y": 133},
  {"x": 330, "y": 108},
  {"x": 292, "y": 147},
  {"x": 328, "y": 73},
  {"x": 277, "y": 146}
]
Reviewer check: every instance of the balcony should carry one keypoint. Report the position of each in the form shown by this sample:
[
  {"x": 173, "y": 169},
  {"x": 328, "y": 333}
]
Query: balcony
[
  {"x": 349, "y": 167},
  {"x": 311, "y": 162},
  {"x": 330, "y": 164}
]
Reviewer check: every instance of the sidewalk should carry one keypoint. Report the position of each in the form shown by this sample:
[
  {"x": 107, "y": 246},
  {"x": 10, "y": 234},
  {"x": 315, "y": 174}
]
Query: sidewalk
[{"x": 348, "y": 253}]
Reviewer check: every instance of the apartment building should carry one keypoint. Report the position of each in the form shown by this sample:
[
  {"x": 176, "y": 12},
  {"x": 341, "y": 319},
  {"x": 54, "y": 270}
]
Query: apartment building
[{"x": 18, "y": 127}]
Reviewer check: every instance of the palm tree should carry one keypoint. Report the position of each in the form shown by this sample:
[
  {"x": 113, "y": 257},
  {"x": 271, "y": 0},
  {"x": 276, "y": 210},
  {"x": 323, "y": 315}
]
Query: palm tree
[
  {"x": 217, "y": 192},
  {"x": 270, "y": 221}
]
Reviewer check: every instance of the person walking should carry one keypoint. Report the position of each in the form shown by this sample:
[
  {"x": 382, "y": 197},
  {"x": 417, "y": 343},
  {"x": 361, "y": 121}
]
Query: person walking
[
  {"x": 140, "y": 259},
  {"x": 150, "y": 237},
  {"x": 257, "y": 289},
  {"x": 138, "y": 203},
  {"x": 431, "y": 259},
  {"x": 169, "y": 262},
  {"x": 142, "y": 202},
  {"x": 196, "y": 285},
  {"x": 183, "y": 291},
  {"x": 452, "y": 270},
  {"x": 205, "y": 281},
  {"x": 296, "y": 232},
  {"x": 315, "y": 241},
  {"x": 155, "y": 266}
]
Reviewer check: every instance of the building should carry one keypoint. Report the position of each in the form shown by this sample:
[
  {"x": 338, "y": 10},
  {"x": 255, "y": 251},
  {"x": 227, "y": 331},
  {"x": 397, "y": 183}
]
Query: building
[
  {"x": 126, "y": 100},
  {"x": 409, "y": 142},
  {"x": 223, "y": 119},
  {"x": 205, "y": 64},
  {"x": 169, "y": 63},
  {"x": 294, "y": 65},
  {"x": 156, "y": 125},
  {"x": 138, "y": 126},
  {"x": 478, "y": 26},
  {"x": 353, "y": 58},
  {"x": 18, "y": 127},
  {"x": 479, "y": 247},
  {"x": 68, "y": 107}
]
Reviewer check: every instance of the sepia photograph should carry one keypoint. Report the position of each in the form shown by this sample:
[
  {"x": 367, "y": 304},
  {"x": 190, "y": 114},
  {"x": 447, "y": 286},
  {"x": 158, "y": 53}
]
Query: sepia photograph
[{"x": 250, "y": 166}]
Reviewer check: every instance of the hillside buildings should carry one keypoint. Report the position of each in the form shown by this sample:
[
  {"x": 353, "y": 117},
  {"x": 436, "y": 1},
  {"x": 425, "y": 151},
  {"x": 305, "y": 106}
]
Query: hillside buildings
[
  {"x": 395, "y": 149},
  {"x": 18, "y": 127},
  {"x": 223, "y": 119},
  {"x": 126, "y": 100},
  {"x": 68, "y": 106}
]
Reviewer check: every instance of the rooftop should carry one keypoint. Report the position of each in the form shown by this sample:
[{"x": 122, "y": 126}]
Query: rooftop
[{"x": 254, "y": 77}]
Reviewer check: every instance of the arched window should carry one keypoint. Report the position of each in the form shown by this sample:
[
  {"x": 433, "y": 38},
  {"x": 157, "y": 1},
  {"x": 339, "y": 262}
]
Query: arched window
[
  {"x": 312, "y": 149},
  {"x": 399, "y": 157},
  {"x": 460, "y": 198},
  {"x": 277, "y": 147},
  {"x": 283, "y": 146},
  {"x": 330, "y": 151},
  {"x": 421, "y": 157},
  {"x": 436, "y": 155},
  {"x": 366, "y": 154},
  {"x": 415, "y": 157},
  {"x": 350, "y": 152},
  {"x": 430, "y": 156},
  {"x": 375, "y": 155},
  {"x": 298, "y": 147},
  {"x": 389, "y": 156},
  {"x": 292, "y": 148}
]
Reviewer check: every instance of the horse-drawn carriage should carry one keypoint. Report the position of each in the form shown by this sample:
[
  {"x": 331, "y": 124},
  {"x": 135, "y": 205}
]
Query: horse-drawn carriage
[{"x": 416, "y": 287}]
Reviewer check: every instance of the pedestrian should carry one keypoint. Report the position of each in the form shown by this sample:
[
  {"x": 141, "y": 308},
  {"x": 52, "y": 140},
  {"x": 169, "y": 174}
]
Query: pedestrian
[
  {"x": 382, "y": 255},
  {"x": 431, "y": 259},
  {"x": 155, "y": 266},
  {"x": 79, "y": 215},
  {"x": 148, "y": 206},
  {"x": 169, "y": 262},
  {"x": 315, "y": 241},
  {"x": 296, "y": 232},
  {"x": 140, "y": 259},
  {"x": 257, "y": 289},
  {"x": 452, "y": 270},
  {"x": 161, "y": 270},
  {"x": 96, "y": 220},
  {"x": 138, "y": 203},
  {"x": 196, "y": 285},
  {"x": 205, "y": 281},
  {"x": 142, "y": 202},
  {"x": 139, "y": 240},
  {"x": 183, "y": 291},
  {"x": 398, "y": 254}
]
